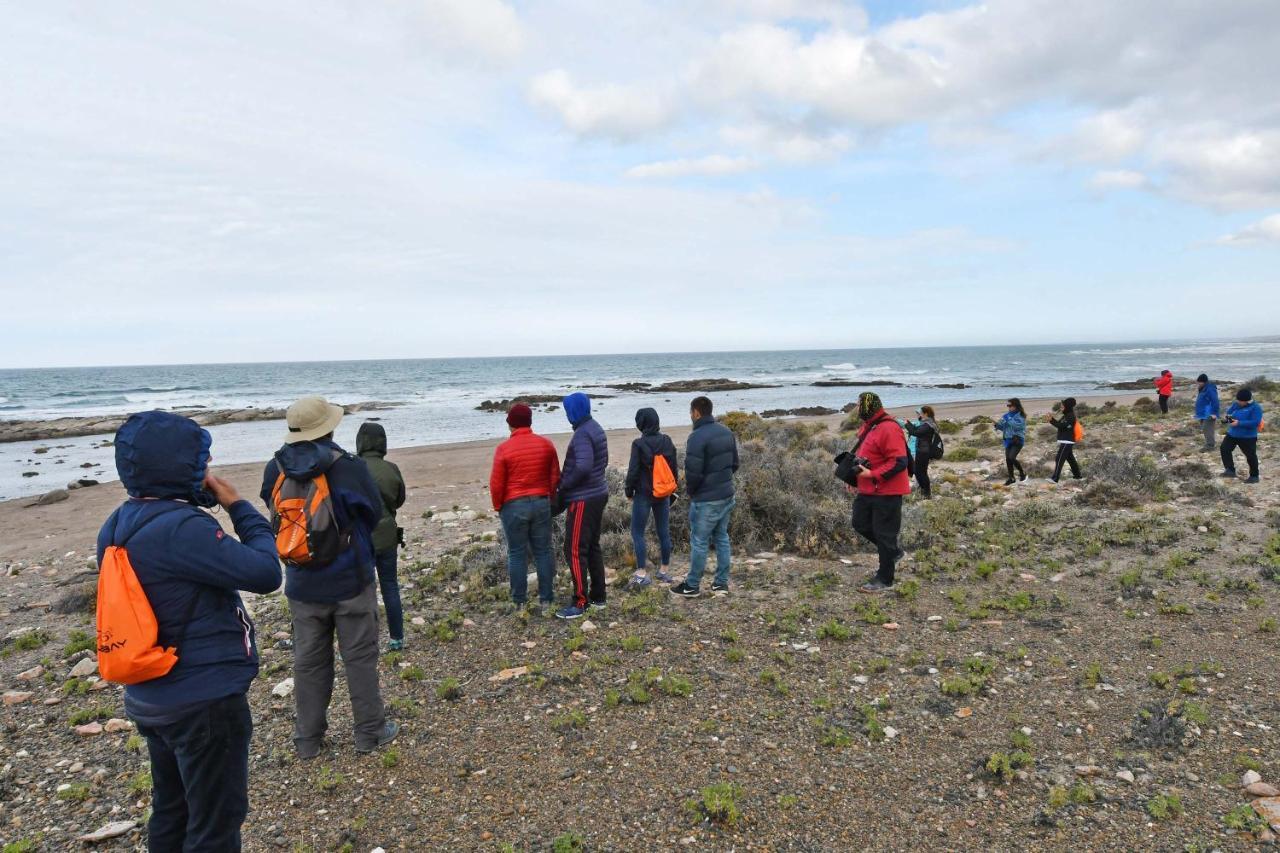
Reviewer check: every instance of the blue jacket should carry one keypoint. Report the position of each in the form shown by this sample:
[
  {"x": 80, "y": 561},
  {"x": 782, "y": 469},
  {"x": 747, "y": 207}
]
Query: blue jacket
[
  {"x": 1248, "y": 419},
  {"x": 710, "y": 460},
  {"x": 189, "y": 568},
  {"x": 1207, "y": 407},
  {"x": 1012, "y": 425},
  {"x": 587, "y": 457},
  {"x": 357, "y": 504}
]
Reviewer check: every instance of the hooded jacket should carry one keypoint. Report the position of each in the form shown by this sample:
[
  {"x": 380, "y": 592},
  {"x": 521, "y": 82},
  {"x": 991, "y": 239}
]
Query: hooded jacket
[
  {"x": 710, "y": 461},
  {"x": 1207, "y": 406},
  {"x": 1164, "y": 384},
  {"x": 371, "y": 446},
  {"x": 357, "y": 506},
  {"x": 1248, "y": 419},
  {"x": 524, "y": 466},
  {"x": 885, "y": 448},
  {"x": 644, "y": 449},
  {"x": 1066, "y": 425},
  {"x": 189, "y": 568},
  {"x": 920, "y": 429},
  {"x": 587, "y": 457}
]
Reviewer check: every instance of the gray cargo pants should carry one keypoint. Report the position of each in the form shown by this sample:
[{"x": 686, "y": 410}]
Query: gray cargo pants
[
  {"x": 1209, "y": 426},
  {"x": 356, "y": 623}
]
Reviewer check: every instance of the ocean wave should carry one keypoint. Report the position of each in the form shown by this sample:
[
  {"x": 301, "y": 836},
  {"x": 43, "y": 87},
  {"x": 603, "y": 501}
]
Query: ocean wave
[
  {"x": 843, "y": 366},
  {"x": 115, "y": 392}
]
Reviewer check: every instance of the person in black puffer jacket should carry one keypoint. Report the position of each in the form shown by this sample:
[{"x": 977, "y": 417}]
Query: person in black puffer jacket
[
  {"x": 710, "y": 461},
  {"x": 639, "y": 490}
]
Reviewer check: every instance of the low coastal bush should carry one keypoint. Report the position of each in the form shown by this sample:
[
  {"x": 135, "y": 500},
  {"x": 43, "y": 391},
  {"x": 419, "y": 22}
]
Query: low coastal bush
[
  {"x": 1134, "y": 471},
  {"x": 962, "y": 454}
]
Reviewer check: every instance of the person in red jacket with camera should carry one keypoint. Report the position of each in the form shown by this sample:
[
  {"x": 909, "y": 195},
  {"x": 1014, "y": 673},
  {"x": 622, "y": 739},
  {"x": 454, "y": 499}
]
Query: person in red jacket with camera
[
  {"x": 883, "y": 479},
  {"x": 526, "y": 473}
]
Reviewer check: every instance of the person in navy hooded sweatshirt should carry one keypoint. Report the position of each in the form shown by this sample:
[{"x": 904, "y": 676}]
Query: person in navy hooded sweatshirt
[
  {"x": 583, "y": 491},
  {"x": 195, "y": 718}
]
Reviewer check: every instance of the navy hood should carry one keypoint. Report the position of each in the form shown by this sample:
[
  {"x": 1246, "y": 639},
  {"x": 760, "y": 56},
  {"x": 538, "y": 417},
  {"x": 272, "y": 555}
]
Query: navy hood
[
  {"x": 371, "y": 438},
  {"x": 647, "y": 421},
  {"x": 163, "y": 455},
  {"x": 577, "y": 408},
  {"x": 307, "y": 460}
]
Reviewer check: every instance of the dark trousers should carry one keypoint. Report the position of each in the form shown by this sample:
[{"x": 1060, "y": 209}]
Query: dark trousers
[
  {"x": 1067, "y": 455},
  {"x": 582, "y": 552},
  {"x": 878, "y": 518},
  {"x": 1011, "y": 463},
  {"x": 922, "y": 472},
  {"x": 1164, "y": 403},
  {"x": 385, "y": 561},
  {"x": 641, "y": 506},
  {"x": 1248, "y": 446},
  {"x": 200, "y": 778}
]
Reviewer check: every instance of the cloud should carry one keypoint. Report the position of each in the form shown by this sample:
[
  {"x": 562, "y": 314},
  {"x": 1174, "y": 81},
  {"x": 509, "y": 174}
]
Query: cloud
[
  {"x": 488, "y": 30},
  {"x": 1118, "y": 179},
  {"x": 612, "y": 111},
  {"x": 790, "y": 144},
  {"x": 714, "y": 164},
  {"x": 1265, "y": 231}
]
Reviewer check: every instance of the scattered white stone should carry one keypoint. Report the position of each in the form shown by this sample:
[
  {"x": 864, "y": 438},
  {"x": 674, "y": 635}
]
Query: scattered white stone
[
  {"x": 860, "y": 679},
  {"x": 89, "y": 729},
  {"x": 283, "y": 689},
  {"x": 111, "y": 830},
  {"x": 1249, "y": 777},
  {"x": 588, "y": 626},
  {"x": 84, "y": 668},
  {"x": 418, "y": 620},
  {"x": 116, "y": 725},
  {"x": 934, "y": 619},
  {"x": 890, "y": 732},
  {"x": 31, "y": 674},
  {"x": 1088, "y": 770},
  {"x": 1125, "y": 776}
]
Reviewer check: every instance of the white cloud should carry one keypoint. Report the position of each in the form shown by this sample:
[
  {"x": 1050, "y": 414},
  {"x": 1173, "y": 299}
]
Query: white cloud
[
  {"x": 789, "y": 144},
  {"x": 1264, "y": 231},
  {"x": 713, "y": 164},
  {"x": 1118, "y": 179},
  {"x": 488, "y": 30},
  {"x": 610, "y": 111}
]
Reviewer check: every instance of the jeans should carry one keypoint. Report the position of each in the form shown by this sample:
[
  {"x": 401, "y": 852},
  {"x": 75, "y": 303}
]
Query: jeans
[
  {"x": 1210, "y": 428},
  {"x": 1067, "y": 455},
  {"x": 526, "y": 522},
  {"x": 709, "y": 523},
  {"x": 385, "y": 561},
  {"x": 1248, "y": 446},
  {"x": 582, "y": 528},
  {"x": 1011, "y": 463},
  {"x": 641, "y": 505},
  {"x": 200, "y": 778},
  {"x": 878, "y": 519},
  {"x": 356, "y": 623},
  {"x": 922, "y": 472}
]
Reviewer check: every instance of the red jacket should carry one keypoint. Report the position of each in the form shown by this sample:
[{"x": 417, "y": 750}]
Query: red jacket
[
  {"x": 524, "y": 466},
  {"x": 883, "y": 444},
  {"x": 1164, "y": 385}
]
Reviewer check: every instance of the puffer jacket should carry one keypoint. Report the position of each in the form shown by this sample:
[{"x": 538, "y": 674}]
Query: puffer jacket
[
  {"x": 587, "y": 457},
  {"x": 1164, "y": 384},
  {"x": 190, "y": 570},
  {"x": 919, "y": 443},
  {"x": 357, "y": 506},
  {"x": 371, "y": 446},
  {"x": 885, "y": 448},
  {"x": 1066, "y": 425},
  {"x": 651, "y": 444},
  {"x": 710, "y": 461},
  {"x": 526, "y": 465}
]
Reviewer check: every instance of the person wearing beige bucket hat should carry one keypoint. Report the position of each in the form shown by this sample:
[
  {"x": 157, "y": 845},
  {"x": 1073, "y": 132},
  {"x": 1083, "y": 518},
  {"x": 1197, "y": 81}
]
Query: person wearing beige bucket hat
[{"x": 329, "y": 573}]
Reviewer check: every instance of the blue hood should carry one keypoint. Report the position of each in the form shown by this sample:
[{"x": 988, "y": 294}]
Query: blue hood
[
  {"x": 163, "y": 455},
  {"x": 577, "y": 407},
  {"x": 307, "y": 460}
]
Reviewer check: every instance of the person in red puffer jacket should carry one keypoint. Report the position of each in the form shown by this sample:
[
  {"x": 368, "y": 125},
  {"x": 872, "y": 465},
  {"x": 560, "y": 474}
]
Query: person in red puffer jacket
[
  {"x": 1164, "y": 390},
  {"x": 526, "y": 472},
  {"x": 877, "y": 509}
]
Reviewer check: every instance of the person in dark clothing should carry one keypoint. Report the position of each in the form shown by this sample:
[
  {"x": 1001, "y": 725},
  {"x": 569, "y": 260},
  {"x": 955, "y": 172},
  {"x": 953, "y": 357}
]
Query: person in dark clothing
[
  {"x": 195, "y": 718},
  {"x": 882, "y": 483},
  {"x": 1066, "y": 426},
  {"x": 371, "y": 446},
  {"x": 923, "y": 430},
  {"x": 639, "y": 490},
  {"x": 1013, "y": 426},
  {"x": 1245, "y": 419},
  {"x": 710, "y": 461},
  {"x": 584, "y": 492},
  {"x": 337, "y": 596}
]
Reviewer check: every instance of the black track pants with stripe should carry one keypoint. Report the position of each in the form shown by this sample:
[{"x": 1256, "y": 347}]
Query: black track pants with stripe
[{"x": 582, "y": 553}]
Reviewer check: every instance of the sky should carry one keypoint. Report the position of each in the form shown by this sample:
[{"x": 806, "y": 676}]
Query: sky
[{"x": 195, "y": 182}]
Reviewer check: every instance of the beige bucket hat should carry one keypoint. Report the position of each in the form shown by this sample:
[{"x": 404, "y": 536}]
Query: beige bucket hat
[{"x": 310, "y": 418}]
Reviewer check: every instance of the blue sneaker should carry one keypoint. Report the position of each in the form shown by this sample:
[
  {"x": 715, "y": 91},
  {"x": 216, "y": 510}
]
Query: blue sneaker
[
  {"x": 639, "y": 582},
  {"x": 662, "y": 577},
  {"x": 570, "y": 612}
]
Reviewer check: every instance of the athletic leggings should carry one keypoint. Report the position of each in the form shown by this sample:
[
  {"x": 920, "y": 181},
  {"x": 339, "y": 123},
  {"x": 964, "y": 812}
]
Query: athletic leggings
[
  {"x": 922, "y": 472},
  {"x": 1011, "y": 451},
  {"x": 1066, "y": 453}
]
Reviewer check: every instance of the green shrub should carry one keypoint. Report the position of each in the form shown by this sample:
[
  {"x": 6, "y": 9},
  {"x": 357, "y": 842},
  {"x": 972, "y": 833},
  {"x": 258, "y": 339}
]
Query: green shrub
[
  {"x": 717, "y": 803},
  {"x": 568, "y": 842},
  {"x": 834, "y": 630},
  {"x": 78, "y": 641},
  {"x": 961, "y": 454},
  {"x": 1164, "y": 806},
  {"x": 449, "y": 689}
]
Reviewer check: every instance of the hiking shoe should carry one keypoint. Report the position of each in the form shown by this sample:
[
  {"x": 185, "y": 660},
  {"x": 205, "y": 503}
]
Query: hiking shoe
[
  {"x": 1252, "y": 480},
  {"x": 1023, "y": 478},
  {"x": 1010, "y": 481},
  {"x": 874, "y": 586},
  {"x": 597, "y": 605},
  {"x": 395, "y": 646},
  {"x": 570, "y": 612},
  {"x": 719, "y": 589},
  {"x": 662, "y": 577},
  {"x": 1228, "y": 475},
  {"x": 683, "y": 590},
  {"x": 286, "y": 644},
  {"x": 1208, "y": 448},
  {"x": 389, "y": 731},
  {"x": 638, "y": 582}
]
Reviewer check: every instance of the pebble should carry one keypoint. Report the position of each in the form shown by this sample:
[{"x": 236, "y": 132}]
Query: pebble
[
  {"x": 1262, "y": 789},
  {"x": 890, "y": 626},
  {"x": 16, "y": 697},
  {"x": 84, "y": 668},
  {"x": 1125, "y": 776},
  {"x": 1088, "y": 770},
  {"x": 934, "y": 618},
  {"x": 31, "y": 674},
  {"x": 283, "y": 689},
  {"x": 1249, "y": 777},
  {"x": 418, "y": 620},
  {"x": 890, "y": 732},
  {"x": 116, "y": 725},
  {"x": 588, "y": 626},
  {"x": 76, "y": 767},
  {"x": 110, "y": 830},
  {"x": 89, "y": 729},
  {"x": 962, "y": 713}
]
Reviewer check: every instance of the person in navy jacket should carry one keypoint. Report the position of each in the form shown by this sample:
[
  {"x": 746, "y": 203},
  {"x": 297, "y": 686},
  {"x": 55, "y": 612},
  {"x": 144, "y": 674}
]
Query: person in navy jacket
[
  {"x": 1245, "y": 419},
  {"x": 195, "y": 718},
  {"x": 583, "y": 491}
]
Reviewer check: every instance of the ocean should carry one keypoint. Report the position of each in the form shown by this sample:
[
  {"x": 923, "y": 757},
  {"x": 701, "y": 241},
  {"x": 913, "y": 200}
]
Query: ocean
[{"x": 440, "y": 396}]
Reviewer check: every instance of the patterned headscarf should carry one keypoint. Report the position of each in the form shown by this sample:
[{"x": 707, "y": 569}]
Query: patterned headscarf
[{"x": 868, "y": 404}]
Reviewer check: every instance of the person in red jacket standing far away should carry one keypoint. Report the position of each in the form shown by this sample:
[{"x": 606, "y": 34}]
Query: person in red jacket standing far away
[
  {"x": 526, "y": 473},
  {"x": 1164, "y": 389},
  {"x": 882, "y": 481}
]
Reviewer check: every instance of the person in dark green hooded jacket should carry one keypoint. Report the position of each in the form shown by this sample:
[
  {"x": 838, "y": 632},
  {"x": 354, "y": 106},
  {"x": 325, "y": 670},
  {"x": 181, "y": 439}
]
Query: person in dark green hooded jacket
[{"x": 371, "y": 446}]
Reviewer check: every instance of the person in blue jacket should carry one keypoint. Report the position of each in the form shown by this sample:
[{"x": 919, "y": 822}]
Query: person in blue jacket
[
  {"x": 1207, "y": 411},
  {"x": 195, "y": 718},
  {"x": 338, "y": 597},
  {"x": 710, "y": 461},
  {"x": 1013, "y": 426},
  {"x": 583, "y": 491},
  {"x": 1245, "y": 419}
]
